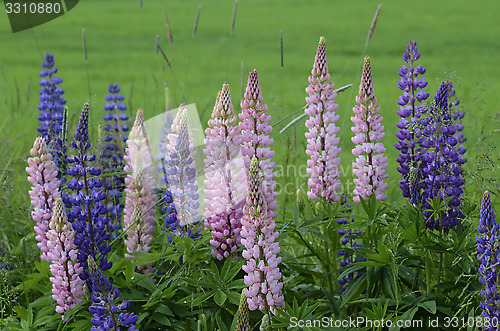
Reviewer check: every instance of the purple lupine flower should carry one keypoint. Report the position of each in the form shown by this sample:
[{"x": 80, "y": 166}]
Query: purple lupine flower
[
  {"x": 348, "y": 241},
  {"x": 370, "y": 163},
  {"x": 225, "y": 178},
  {"x": 181, "y": 172},
  {"x": 322, "y": 140},
  {"x": 85, "y": 205},
  {"x": 67, "y": 286},
  {"x": 44, "y": 191},
  {"x": 52, "y": 112},
  {"x": 409, "y": 134},
  {"x": 108, "y": 314},
  {"x": 255, "y": 131},
  {"x": 112, "y": 156},
  {"x": 165, "y": 199},
  {"x": 443, "y": 139},
  {"x": 261, "y": 248},
  {"x": 488, "y": 248},
  {"x": 139, "y": 210}
]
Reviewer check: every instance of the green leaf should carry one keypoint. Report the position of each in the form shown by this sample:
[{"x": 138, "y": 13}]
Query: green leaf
[
  {"x": 220, "y": 297},
  {"x": 430, "y": 306}
]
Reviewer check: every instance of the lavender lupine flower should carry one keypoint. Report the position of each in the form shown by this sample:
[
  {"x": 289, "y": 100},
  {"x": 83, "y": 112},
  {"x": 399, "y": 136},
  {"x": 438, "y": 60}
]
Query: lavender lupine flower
[
  {"x": 139, "y": 217},
  {"x": 85, "y": 206},
  {"x": 443, "y": 139},
  {"x": 225, "y": 178},
  {"x": 52, "y": 112},
  {"x": 108, "y": 314},
  {"x": 261, "y": 248},
  {"x": 181, "y": 171},
  {"x": 488, "y": 248},
  {"x": 409, "y": 134},
  {"x": 370, "y": 163},
  {"x": 67, "y": 286},
  {"x": 322, "y": 140},
  {"x": 255, "y": 130},
  {"x": 112, "y": 156},
  {"x": 44, "y": 191},
  {"x": 165, "y": 199}
]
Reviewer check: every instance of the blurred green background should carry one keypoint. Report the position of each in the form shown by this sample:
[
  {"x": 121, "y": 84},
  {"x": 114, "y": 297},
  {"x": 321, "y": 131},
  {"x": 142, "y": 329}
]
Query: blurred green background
[{"x": 458, "y": 40}]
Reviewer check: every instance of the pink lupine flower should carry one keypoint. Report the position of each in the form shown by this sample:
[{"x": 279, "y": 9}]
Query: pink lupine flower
[
  {"x": 261, "y": 249},
  {"x": 67, "y": 286},
  {"x": 225, "y": 178},
  {"x": 44, "y": 191},
  {"x": 139, "y": 217},
  {"x": 255, "y": 130},
  {"x": 370, "y": 163},
  {"x": 322, "y": 139}
]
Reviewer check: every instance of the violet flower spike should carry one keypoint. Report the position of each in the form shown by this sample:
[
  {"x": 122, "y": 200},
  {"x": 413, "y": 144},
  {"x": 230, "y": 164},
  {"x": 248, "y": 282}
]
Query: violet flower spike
[
  {"x": 488, "y": 248},
  {"x": 261, "y": 248},
  {"x": 67, "y": 286},
  {"x": 139, "y": 209},
  {"x": 225, "y": 178},
  {"x": 44, "y": 191},
  {"x": 370, "y": 164},
  {"x": 255, "y": 131},
  {"x": 322, "y": 138}
]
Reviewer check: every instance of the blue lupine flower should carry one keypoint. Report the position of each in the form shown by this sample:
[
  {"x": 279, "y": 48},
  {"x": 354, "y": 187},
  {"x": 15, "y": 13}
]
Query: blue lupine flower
[
  {"x": 409, "y": 133},
  {"x": 85, "y": 207},
  {"x": 443, "y": 140},
  {"x": 488, "y": 248},
  {"x": 108, "y": 315},
  {"x": 52, "y": 112},
  {"x": 112, "y": 156}
]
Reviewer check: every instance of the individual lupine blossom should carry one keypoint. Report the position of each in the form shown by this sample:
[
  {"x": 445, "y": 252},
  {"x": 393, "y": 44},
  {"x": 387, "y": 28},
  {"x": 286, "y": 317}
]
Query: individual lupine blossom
[
  {"x": 225, "y": 178},
  {"x": 112, "y": 156},
  {"x": 488, "y": 248},
  {"x": 181, "y": 172},
  {"x": 255, "y": 131},
  {"x": 44, "y": 191},
  {"x": 443, "y": 139},
  {"x": 67, "y": 286},
  {"x": 261, "y": 248},
  {"x": 243, "y": 323},
  {"x": 370, "y": 164},
  {"x": 348, "y": 242},
  {"x": 164, "y": 195},
  {"x": 52, "y": 112},
  {"x": 322, "y": 140},
  {"x": 85, "y": 205},
  {"x": 409, "y": 134},
  {"x": 139, "y": 210},
  {"x": 108, "y": 314}
]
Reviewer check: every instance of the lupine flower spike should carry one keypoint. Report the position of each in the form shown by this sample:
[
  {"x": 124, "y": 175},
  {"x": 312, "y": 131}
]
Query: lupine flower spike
[
  {"x": 370, "y": 163},
  {"x": 255, "y": 131},
  {"x": 112, "y": 156},
  {"x": 108, "y": 315},
  {"x": 52, "y": 112},
  {"x": 443, "y": 139},
  {"x": 322, "y": 140},
  {"x": 225, "y": 175},
  {"x": 139, "y": 217},
  {"x": 488, "y": 248},
  {"x": 85, "y": 206},
  {"x": 44, "y": 191},
  {"x": 243, "y": 323},
  {"x": 67, "y": 287},
  {"x": 261, "y": 248},
  {"x": 409, "y": 134},
  {"x": 181, "y": 169}
]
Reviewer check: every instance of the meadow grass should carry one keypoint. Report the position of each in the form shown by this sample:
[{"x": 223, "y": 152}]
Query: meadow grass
[{"x": 457, "y": 41}]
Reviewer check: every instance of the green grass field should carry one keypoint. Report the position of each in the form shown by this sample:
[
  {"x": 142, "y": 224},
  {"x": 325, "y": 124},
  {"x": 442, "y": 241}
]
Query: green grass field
[{"x": 457, "y": 40}]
